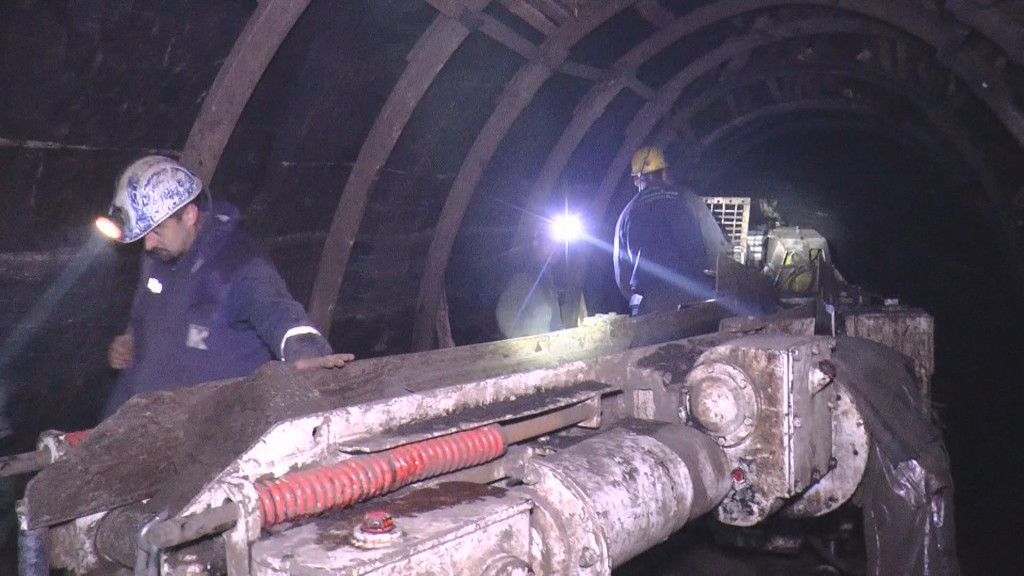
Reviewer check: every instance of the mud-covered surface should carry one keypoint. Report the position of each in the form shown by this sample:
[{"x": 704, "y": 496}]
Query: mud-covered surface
[
  {"x": 201, "y": 430},
  {"x": 678, "y": 358},
  {"x": 198, "y": 430},
  {"x": 110, "y": 467}
]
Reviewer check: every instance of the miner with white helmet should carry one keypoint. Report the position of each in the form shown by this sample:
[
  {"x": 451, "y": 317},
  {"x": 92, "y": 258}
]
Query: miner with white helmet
[
  {"x": 666, "y": 241},
  {"x": 209, "y": 305}
]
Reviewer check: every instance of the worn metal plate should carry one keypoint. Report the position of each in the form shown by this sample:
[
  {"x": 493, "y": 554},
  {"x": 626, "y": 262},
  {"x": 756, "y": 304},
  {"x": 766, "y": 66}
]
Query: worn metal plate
[
  {"x": 907, "y": 330},
  {"x": 476, "y": 416},
  {"x": 450, "y": 528}
]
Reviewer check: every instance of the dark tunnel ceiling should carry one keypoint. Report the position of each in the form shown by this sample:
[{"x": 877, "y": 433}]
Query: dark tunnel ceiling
[{"x": 382, "y": 145}]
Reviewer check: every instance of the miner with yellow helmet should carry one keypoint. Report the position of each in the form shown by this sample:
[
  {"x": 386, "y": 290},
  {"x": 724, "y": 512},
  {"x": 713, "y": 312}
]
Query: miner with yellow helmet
[
  {"x": 666, "y": 243},
  {"x": 647, "y": 161}
]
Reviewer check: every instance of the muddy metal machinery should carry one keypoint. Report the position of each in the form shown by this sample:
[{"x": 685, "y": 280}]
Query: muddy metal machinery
[{"x": 565, "y": 453}]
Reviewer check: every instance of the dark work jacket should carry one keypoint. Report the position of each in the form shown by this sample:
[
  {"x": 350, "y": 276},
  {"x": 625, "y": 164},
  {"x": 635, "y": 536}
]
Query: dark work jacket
[
  {"x": 219, "y": 311},
  {"x": 665, "y": 241}
]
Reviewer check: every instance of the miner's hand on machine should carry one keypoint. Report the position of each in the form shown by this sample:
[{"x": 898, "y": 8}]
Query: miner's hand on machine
[
  {"x": 210, "y": 305},
  {"x": 311, "y": 350}
]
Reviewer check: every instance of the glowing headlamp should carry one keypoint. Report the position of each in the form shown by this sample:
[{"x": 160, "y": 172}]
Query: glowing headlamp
[
  {"x": 111, "y": 225},
  {"x": 566, "y": 227}
]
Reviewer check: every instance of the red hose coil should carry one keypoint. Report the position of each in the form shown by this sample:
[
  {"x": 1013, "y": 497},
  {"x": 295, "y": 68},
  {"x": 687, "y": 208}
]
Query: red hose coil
[{"x": 310, "y": 492}]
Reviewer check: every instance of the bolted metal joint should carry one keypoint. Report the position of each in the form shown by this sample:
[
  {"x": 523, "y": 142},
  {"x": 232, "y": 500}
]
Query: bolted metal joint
[
  {"x": 377, "y": 522},
  {"x": 377, "y": 530}
]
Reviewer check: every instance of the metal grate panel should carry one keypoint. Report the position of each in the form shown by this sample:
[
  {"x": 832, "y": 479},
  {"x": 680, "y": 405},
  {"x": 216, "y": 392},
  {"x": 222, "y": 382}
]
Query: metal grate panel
[{"x": 733, "y": 214}]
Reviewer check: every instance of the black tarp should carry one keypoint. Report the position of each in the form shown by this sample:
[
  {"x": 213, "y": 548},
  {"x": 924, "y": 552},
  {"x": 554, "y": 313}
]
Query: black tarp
[{"x": 907, "y": 491}]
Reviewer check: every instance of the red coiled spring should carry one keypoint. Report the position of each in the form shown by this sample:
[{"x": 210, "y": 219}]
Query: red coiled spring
[
  {"x": 73, "y": 438},
  {"x": 310, "y": 492}
]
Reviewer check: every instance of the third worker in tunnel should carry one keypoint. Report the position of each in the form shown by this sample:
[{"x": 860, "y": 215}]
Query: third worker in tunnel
[
  {"x": 666, "y": 242},
  {"x": 210, "y": 305},
  {"x": 530, "y": 302}
]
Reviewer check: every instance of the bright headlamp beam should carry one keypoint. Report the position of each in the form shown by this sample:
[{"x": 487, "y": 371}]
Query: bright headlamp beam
[
  {"x": 566, "y": 227},
  {"x": 108, "y": 228}
]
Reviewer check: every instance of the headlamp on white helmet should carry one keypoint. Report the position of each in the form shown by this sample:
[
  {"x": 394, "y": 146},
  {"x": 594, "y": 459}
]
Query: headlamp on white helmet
[{"x": 147, "y": 193}]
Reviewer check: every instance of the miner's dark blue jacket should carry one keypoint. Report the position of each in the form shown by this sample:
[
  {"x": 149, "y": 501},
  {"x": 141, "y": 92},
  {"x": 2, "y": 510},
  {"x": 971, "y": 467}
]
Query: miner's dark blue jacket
[
  {"x": 219, "y": 311},
  {"x": 665, "y": 238}
]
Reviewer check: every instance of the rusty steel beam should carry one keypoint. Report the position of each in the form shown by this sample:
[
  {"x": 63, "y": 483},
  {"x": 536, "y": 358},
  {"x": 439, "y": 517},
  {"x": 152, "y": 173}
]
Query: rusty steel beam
[
  {"x": 939, "y": 114},
  {"x": 995, "y": 23},
  {"x": 263, "y": 34},
  {"x": 427, "y": 58},
  {"x": 507, "y": 37},
  {"x": 584, "y": 71},
  {"x": 553, "y": 9},
  {"x": 981, "y": 78},
  {"x": 990, "y": 87},
  {"x": 816, "y": 104},
  {"x": 517, "y": 95},
  {"x": 502, "y": 34},
  {"x": 592, "y": 105},
  {"x": 437, "y": 44},
  {"x": 649, "y": 115},
  {"x": 654, "y": 13},
  {"x": 531, "y": 15},
  {"x": 866, "y": 124}
]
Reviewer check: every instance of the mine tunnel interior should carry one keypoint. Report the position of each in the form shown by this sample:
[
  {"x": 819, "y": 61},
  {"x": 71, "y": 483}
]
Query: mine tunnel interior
[{"x": 394, "y": 156}]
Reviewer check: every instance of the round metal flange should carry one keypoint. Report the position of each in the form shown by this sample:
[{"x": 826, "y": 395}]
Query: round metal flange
[
  {"x": 507, "y": 565},
  {"x": 722, "y": 401}
]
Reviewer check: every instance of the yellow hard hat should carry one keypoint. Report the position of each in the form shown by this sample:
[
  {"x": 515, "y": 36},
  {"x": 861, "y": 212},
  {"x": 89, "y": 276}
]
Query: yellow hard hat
[{"x": 648, "y": 159}]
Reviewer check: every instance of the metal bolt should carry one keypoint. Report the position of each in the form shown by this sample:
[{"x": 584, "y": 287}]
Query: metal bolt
[
  {"x": 588, "y": 557},
  {"x": 377, "y": 522},
  {"x": 827, "y": 368}
]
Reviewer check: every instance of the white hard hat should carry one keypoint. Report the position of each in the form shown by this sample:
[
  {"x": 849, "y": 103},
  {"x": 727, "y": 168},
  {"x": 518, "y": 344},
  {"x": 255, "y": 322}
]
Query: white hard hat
[{"x": 148, "y": 191}]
